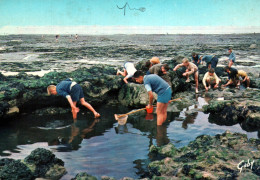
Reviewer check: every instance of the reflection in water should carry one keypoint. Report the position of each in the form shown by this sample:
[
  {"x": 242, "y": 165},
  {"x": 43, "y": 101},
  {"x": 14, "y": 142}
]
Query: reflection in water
[
  {"x": 121, "y": 129},
  {"x": 189, "y": 120},
  {"x": 161, "y": 135},
  {"x": 103, "y": 146}
]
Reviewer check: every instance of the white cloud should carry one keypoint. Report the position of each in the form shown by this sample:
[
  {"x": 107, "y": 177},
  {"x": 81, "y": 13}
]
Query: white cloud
[{"x": 107, "y": 30}]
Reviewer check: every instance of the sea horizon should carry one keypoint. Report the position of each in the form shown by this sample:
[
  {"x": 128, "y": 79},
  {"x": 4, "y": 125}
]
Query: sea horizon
[{"x": 127, "y": 30}]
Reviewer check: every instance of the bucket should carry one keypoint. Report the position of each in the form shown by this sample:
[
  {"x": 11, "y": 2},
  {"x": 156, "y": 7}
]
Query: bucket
[{"x": 149, "y": 110}]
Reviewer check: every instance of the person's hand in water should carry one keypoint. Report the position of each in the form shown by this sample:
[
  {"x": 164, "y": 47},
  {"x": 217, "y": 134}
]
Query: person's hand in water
[{"x": 96, "y": 115}]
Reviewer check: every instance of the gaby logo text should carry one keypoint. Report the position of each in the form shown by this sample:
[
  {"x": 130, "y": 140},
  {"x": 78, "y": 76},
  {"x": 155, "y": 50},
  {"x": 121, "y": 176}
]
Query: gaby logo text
[{"x": 244, "y": 164}]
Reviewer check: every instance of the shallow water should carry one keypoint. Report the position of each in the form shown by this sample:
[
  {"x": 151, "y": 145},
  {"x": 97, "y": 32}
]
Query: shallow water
[{"x": 103, "y": 147}]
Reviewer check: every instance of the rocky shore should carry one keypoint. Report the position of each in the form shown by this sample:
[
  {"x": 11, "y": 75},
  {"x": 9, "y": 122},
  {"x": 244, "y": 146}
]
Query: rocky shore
[
  {"x": 205, "y": 158},
  {"x": 224, "y": 156},
  {"x": 41, "y": 163}
]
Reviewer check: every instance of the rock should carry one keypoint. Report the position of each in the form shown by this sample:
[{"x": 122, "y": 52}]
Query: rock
[
  {"x": 14, "y": 169},
  {"x": 28, "y": 93},
  {"x": 253, "y": 46},
  {"x": 208, "y": 157},
  {"x": 13, "y": 111},
  {"x": 51, "y": 111},
  {"x": 55, "y": 172},
  {"x": 245, "y": 109},
  {"x": 134, "y": 95},
  {"x": 84, "y": 176},
  {"x": 46, "y": 164},
  {"x": 107, "y": 178}
]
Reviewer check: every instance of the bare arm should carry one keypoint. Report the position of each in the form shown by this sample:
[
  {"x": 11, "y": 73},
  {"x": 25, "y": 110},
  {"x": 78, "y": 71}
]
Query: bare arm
[
  {"x": 73, "y": 107},
  {"x": 177, "y": 67},
  {"x": 150, "y": 93},
  {"x": 244, "y": 79},
  {"x": 228, "y": 83},
  {"x": 190, "y": 72},
  {"x": 204, "y": 80}
]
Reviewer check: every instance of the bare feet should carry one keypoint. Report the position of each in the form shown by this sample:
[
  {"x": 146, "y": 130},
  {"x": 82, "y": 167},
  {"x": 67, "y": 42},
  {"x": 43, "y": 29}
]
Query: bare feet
[{"x": 117, "y": 72}]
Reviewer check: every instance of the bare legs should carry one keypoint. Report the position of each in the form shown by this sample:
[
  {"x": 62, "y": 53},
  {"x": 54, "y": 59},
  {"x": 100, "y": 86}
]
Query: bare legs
[
  {"x": 230, "y": 63},
  {"x": 87, "y": 105},
  {"x": 124, "y": 73},
  {"x": 161, "y": 113},
  {"x": 196, "y": 78}
]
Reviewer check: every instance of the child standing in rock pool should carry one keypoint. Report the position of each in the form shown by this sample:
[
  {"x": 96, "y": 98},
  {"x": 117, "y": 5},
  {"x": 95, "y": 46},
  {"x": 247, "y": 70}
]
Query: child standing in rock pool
[{"x": 74, "y": 93}]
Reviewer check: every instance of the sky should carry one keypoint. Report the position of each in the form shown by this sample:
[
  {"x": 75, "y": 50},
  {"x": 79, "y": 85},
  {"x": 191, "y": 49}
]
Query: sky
[{"x": 37, "y": 15}]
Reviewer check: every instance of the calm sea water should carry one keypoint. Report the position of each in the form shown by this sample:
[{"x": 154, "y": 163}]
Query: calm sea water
[{"x": 104, "y": 147}]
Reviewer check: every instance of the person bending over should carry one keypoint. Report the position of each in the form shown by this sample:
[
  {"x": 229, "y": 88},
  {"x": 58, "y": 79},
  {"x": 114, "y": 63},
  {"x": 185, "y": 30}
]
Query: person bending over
[
  {"x": 211, "y": 61},
  {"x": 74, "y": 93},
  {"x": 154, "y": 83},
  {"x": 129, "y": 70},
  {"x": 232, "y": 76}
]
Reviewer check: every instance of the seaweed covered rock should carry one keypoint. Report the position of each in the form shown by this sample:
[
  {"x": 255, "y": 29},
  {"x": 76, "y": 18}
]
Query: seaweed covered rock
[
  {"x": 223, "y": 156},
  {"x": 14, "y": 169},
  {"x": 84, "y": 176},
  {"x": 27, "y": 92},
  {"x": 134, "y": 95},
  {"x": 45, "y": 164},
  {"x": 244, "y": 109}
]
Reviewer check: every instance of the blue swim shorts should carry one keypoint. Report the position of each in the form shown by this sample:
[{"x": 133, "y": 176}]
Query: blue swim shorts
[
  {"x": 165, "y": 97},
  {"x": 76, "y": 93}
]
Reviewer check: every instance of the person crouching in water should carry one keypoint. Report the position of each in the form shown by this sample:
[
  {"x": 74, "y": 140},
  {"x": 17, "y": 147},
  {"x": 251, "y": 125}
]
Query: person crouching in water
[
  {"x": 211, "y": 79},
  {"x": 154, "y": 83},
  {"x": 129, "y": 70},
  {"x": 74, "y": 93},
  {"x": 191, "y": 68}
]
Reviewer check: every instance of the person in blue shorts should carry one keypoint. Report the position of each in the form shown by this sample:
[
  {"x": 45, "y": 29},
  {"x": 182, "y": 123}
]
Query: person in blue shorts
[
  {"x": 211, "y": 61},
  {"x": 74, "y": 93},
  {"x": 231, "y": 58},
  {"x": 154, "y": 83}
]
